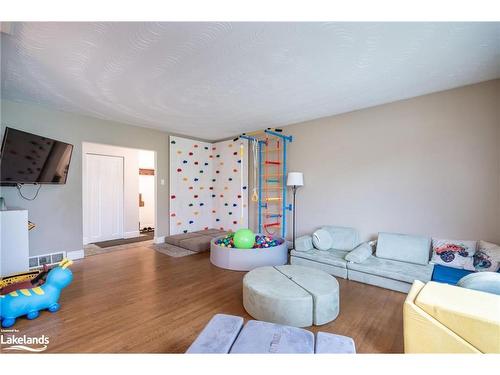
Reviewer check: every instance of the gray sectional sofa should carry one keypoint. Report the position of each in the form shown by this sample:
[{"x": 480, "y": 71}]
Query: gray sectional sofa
[{"x": 393, "y": 262}]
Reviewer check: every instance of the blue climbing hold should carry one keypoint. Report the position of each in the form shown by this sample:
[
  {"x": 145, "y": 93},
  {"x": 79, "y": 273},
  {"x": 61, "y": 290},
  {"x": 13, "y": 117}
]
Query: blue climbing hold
[{"x": 191, "y": 221}]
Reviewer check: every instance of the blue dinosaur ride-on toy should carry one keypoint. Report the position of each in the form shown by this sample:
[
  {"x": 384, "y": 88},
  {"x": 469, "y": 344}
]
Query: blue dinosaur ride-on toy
[{"x": 31, "y": 301}]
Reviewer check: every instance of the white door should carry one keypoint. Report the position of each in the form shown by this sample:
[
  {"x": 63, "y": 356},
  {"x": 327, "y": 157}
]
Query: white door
[{"x": 103, "y": 194}]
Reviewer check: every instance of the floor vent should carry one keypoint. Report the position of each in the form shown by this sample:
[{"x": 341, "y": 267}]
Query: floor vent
[{"x": 48, "y": 259}]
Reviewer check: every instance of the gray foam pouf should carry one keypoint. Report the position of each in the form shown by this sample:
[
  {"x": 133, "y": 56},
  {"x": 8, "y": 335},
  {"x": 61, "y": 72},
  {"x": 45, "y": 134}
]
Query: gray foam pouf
[{"x": 293, "y": 295}]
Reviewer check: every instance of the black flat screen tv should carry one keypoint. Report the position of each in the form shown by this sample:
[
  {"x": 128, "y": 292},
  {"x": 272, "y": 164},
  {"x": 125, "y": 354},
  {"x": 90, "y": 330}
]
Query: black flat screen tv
[{"x": 32, "y": 159}]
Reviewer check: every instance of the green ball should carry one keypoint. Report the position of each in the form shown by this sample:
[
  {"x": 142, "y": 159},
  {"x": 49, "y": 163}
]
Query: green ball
[{"x": 244, "y": 239}]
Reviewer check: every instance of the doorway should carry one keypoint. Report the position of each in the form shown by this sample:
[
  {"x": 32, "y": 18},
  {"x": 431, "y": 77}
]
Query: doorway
[{"x": 119, "y": 197}]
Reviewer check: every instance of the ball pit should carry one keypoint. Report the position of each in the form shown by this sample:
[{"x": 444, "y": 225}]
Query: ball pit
[
  {"x": 267, "y": 251},
  {"x": 261, "y": 241}
]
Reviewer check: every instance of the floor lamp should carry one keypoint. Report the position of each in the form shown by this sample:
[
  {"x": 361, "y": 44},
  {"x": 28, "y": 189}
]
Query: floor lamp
[{"x": 294, "y": 180}]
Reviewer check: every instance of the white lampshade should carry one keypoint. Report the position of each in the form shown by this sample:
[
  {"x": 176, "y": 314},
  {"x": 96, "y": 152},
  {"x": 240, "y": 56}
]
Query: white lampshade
[{"x": 295, "y": 179}]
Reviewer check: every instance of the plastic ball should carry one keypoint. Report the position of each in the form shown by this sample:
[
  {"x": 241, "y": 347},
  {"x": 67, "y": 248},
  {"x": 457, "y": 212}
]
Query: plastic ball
[{"x": 244, "y": 239}]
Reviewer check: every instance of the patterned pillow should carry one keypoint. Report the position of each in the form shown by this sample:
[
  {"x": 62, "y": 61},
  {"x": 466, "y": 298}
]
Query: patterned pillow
[
  {"x": 452, "y": 253},
  {"x": 486, "y": 258}
]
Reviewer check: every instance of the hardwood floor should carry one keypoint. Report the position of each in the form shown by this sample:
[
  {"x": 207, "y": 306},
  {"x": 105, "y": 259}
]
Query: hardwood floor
[{"x": 139, "y": 300}]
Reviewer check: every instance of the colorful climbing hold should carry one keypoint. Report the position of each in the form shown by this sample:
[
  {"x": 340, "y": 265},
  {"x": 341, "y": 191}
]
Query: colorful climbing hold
[
  {"x": 173, "y": 142},
  {"x": 179, "y": 170},
  {"x": 172, "y": 197}
]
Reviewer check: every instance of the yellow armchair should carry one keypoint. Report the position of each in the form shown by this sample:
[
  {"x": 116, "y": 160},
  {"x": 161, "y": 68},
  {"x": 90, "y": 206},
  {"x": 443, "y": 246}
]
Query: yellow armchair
[{"x": 441, "y": 318}]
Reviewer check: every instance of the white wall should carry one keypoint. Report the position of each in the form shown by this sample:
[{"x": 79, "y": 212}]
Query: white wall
[
  {"x": 147, "y": 189},
  {"x": 130, "y": 186},
  {"x": 428, "y": 165}
]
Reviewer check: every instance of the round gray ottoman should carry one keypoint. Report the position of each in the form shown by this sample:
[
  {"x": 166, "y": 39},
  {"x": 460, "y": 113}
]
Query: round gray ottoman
[{"x": 292, "y": 295}]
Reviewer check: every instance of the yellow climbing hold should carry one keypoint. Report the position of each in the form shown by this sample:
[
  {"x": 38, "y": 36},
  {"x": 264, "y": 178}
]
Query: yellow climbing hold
[{"x": 26, "y": 292}]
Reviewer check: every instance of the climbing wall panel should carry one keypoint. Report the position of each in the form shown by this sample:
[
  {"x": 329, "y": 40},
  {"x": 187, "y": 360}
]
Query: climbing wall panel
[
  {"x": 208, "y": 185},
  {"x": 191, "y": 200},
  {"x": 230, "y": 179}
]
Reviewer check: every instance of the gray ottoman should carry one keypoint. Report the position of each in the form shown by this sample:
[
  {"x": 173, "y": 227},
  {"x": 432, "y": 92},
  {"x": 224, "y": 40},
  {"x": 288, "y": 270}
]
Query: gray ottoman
[{"x": 292, "y": 295}]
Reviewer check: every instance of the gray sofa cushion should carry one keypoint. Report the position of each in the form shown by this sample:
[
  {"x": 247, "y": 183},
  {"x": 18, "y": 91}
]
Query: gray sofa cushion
[
  {"x": 332, "y": 257},
  {"x": 404, "y": 248},
  {"x": 304, "y": 243},
  {"x": 343, "y": 238},
  {"x": 360, "y": 253},
  {"x": 392, "y": 269}
]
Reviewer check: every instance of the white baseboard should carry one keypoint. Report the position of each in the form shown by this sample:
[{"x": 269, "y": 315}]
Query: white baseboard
[
  {"x": 159, "y": 240},
  {"x": 131, "y": 234},
  {"x": 73, "y": 255}
]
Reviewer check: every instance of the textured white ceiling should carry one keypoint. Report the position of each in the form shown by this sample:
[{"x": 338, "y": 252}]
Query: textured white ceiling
[{"x": 214, "y": 80}]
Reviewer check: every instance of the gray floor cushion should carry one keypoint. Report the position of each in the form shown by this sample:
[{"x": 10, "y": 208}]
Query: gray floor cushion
[
  {"x": 177, "y": 238},
  {"x": 392, "y": 269},
  {"x": 218, "y": 335},
  {"x": 331, "y": 257},
  {"x": 197, "y": 244},
  {"x": 329, "y": 343},
  {"x": 263, "y": 337}
]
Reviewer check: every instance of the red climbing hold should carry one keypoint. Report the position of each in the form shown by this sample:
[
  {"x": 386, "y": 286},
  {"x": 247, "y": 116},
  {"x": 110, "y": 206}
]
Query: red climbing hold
[
  {"x": 195, "y": 146},
  {"x": 179, "y": 170},
  {"x": 172, "y": 215},
  {"x": 235, "y": 222},
  {"x": 195, "y": 163},
  {"x": 239, "y": 196},
  {"x": 172, "y": 196},
  {"x": 190, "y": 154},
  {"x": 196, "y": 195},
  {"x": 190, "y": 188}
]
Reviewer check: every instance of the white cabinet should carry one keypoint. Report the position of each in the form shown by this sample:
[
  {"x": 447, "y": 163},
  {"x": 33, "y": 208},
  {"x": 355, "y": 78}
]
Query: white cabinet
[{"x": 14, "y": 244}]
